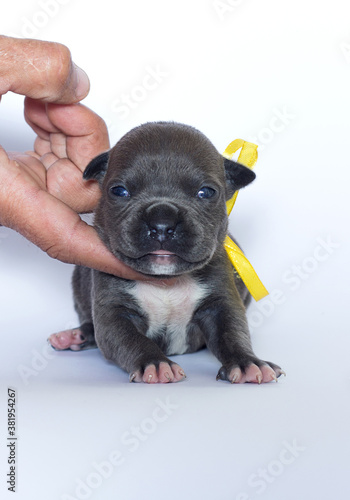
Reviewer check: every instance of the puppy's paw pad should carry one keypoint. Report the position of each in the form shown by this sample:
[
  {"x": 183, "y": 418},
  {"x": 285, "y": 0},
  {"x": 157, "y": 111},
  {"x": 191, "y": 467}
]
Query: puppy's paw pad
[
  {"x": 164, "y": 374},
  {"x": 235, "y": 376},
  {"x": 135, "y": 376},
  {"x": 178, "y": 373},
  {"x": 68, "y": 339},
  {"x": 271, "y": 371},
  {"x": 150, "y": 375},
  {"x": 263, "y": 373},
  {"x": 268, "y": 373},
  {"x": 252, "y": 374},
  {"x": 255, "y": 373}
]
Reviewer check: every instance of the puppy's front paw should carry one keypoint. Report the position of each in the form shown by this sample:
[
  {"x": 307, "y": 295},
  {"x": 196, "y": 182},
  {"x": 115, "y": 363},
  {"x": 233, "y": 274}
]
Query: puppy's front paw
[
  {"x": 162, "y": 372},
  {"x": 255, "y": 371}
]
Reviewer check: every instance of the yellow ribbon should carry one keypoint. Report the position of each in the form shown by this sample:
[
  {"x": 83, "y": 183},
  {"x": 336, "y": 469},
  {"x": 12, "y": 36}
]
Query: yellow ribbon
[{"x": 247, "y": 157}]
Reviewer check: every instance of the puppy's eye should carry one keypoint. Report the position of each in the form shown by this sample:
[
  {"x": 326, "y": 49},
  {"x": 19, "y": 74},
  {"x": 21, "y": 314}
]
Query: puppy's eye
[
  {"x": 120, "y": 191},
  {"x": 206, "y": 192}
]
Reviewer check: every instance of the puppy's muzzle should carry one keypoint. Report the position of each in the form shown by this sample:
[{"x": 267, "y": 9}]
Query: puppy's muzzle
[{"x": 162, "y": 220}]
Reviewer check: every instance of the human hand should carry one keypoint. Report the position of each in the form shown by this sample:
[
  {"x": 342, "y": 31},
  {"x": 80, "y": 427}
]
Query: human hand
[{"x": 42, "y": 191}]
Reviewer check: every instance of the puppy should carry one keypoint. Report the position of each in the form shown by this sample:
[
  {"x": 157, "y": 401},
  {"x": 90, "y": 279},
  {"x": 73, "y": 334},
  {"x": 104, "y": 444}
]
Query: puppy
[{"x": 163, "y": 213}]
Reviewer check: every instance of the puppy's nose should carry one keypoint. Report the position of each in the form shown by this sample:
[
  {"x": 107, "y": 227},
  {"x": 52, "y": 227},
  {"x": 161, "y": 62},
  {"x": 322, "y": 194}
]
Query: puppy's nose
[
  {"x": 162, "y": 220},
  {"x": 162, "y": 231}
]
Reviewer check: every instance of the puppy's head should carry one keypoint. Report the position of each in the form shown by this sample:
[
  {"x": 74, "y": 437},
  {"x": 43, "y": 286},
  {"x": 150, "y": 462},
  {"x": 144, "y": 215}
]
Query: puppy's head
[{"x": 164, "y": 188}]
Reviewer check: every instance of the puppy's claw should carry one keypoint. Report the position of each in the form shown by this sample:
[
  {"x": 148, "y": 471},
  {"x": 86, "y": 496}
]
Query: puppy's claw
[
  {"x": 234, "y": 378},
  {"x": 132, "y": 377},
  {"x": 149, "y": 379},
  {"x": 283, "y": 373},
  {"x": 182, "y": 373},
  {"x": 259, "y": 379}
]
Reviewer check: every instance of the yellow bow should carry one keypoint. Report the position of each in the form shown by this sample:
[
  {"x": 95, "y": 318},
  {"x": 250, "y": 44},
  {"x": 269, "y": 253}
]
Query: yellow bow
[{"x": 247, "y": 157}]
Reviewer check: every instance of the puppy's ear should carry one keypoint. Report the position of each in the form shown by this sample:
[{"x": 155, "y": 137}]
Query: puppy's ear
[
  {"x": 97, "y": 168},
  {"x": 237, "y": 176}
]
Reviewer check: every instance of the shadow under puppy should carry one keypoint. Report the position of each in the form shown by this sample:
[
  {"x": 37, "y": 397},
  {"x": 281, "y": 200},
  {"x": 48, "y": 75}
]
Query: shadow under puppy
[{"x": 163, "y": 212}]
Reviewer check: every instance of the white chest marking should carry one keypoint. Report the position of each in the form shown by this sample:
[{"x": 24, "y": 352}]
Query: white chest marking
[{"x": 170, "y": 308}]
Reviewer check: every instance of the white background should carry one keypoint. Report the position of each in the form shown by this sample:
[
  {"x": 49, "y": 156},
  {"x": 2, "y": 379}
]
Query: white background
[{"x": 229, "y": 73}]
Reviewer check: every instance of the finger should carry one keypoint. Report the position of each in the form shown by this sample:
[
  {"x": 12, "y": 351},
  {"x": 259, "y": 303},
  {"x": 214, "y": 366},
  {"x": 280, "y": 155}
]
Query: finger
[
  {"x": 40, "y": 70},
  {"x": 75, "y": 242},
  {"x": 86, "y": 133},
  {"x": 69, "y": 136},
  {"x": 65, "y": 182},
  {"x": 55, "y": 228},
  {"x": 35, "y": 114},
  {"x": 62, "y": 180},
  {"x": 71, "y": 240}
]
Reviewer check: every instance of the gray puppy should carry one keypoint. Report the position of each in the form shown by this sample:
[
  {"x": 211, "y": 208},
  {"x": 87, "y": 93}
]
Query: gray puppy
[{"x": 163, "y": 213}]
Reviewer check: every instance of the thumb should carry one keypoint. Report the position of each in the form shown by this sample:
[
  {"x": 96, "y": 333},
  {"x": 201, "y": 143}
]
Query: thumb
[
  {"x": 40, "y": 70},
  {"x": 60, "y": 232}
]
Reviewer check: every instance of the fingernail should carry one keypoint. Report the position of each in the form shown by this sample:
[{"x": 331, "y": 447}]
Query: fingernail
[{"x": 82, "y": 86}]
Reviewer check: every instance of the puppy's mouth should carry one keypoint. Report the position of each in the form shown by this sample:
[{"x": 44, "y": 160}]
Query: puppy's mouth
[
  {"x": 162, "y": 253},
  {"x": 161, "y": 263},
  {"x": 162, "y": 257}
]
